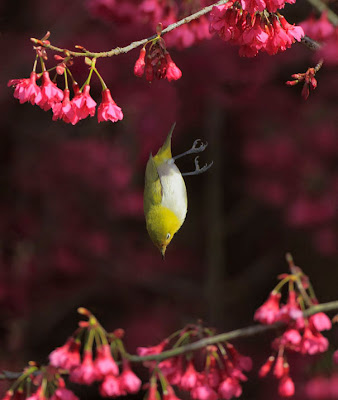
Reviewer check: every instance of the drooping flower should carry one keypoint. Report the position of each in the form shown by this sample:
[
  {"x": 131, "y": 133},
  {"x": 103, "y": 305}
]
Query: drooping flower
[
  {"x": 62, "y": 393},
  {"x": 66, "y": 356},
  {"x": 229, "y": 388},
  {"x": 85, "y": 373},
  {"x": 108, "y": 109},
  {"x": 104, "y": 362},
  {"x": 173, "y": 72},
  {"x": 286, "y": 387},
  {"x": 268, "y": 312},
  {"x": 25, "y": 89},
  {"x": 313, "y": 342},
  {"x": 320, "y": 321},
  {"x": 266, "y": 367},
  {"x": 65, "y": 110},
  {"x": 49, "y": 94},
  {"x": 110, "y": 387},
  {"x": 203, "y": 392},
  {"x": 84, "y": 104},
  {"x": 189, "y": 378},
  {"x": 140, "y": 63},
  {"x": 291, "y": 310},
  {"x": 129, "y": 382}
]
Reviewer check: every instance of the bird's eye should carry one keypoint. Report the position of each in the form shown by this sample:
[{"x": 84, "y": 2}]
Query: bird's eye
[{"x": 168, "y": 236}]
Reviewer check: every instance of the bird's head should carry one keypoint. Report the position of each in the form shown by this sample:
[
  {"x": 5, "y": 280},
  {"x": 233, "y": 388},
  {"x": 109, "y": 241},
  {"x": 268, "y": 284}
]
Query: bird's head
[{"x": 162, "y": 224}]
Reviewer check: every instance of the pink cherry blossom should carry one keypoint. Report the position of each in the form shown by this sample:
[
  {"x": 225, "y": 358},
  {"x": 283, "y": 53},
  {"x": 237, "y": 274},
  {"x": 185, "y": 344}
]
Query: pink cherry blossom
[
  {"x": 104, "y": 362},
  {"x": 84, "y": 104},
  {"x": 173, "y": 72},
  {"x": 63, "y": 394},
  {"x": 108, "y": 110},
  {"x": 291, "y": 338},
  {"x": 229, "y": 388},
  {"x": 278, "y": 370},
  {"x": 140, "y": 63},
  {"x": 110, "y": 387},
  {"x": 269, "y": 311},
  {"x": 49, "y": 94},
  {"x": 203, "y": 392},
  {"x": 129, "y": 382},
  {"x": 65, "y": 110},
  {"x": 25, "y": 89},
  {"x": 313, "y": 342},
  {"x": 321, "y": 321},
  {"x": 66, "y": 356},
  {"x": 266, "y": 367},
  {"x": 190, "y": 377},
  {"x": 286, "y": 387},
  {"x": 86, "y": 373}
]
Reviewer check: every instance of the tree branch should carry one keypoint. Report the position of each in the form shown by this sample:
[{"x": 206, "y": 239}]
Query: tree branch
[
  {"x": 238, "y": 333},
  {"x": 222, "y": 337}
]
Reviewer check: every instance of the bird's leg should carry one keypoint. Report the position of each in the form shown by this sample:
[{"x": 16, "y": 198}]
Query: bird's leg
[
  {"x": 197, "y": 147},
  {"x": 198, "y": 170}
]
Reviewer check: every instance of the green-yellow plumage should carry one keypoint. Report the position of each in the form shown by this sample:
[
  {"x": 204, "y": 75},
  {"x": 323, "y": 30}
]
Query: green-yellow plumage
[{"x": 165, "y": 197}]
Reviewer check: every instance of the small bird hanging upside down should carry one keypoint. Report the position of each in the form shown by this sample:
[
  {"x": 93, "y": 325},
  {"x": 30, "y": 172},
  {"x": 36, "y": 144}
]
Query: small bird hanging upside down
[{"x": 165, "y": 195}]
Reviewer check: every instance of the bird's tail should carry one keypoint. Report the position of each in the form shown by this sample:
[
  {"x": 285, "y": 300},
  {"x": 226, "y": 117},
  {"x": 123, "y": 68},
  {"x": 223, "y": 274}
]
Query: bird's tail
[{"x": 164, "y": 152}]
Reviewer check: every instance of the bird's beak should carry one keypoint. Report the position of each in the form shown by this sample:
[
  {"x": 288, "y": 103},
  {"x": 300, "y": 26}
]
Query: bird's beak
[{"x": 163, "y": 249}]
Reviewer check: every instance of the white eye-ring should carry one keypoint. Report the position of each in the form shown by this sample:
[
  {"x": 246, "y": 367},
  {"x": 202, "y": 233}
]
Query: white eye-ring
[{"x": 168, "y": 236}]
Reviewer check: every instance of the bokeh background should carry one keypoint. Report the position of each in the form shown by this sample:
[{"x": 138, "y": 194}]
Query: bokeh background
[{"x": 72, "y": 231}]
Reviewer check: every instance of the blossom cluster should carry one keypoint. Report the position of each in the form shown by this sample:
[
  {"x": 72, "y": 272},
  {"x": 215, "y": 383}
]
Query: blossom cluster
[
  {"x": 252, "y": 30},
  {"x": 215, "y": 372},
  {"x": 302, "y": 334},
  {"x": 49, "y": 96},
  {"x": 87, "y": 358},
  {"x": 158, "y": 63}
]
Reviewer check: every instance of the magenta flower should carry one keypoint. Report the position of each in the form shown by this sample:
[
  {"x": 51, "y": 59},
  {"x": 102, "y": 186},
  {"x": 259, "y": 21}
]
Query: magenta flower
[
  {"x": 313, "y": 342},
  {"x": 203, "y": 392},
  {"x": 146, "y": 351},
  {"x": 104, "y": 362},
  {"x": 286, "y": 387},
  {"x": 321, "y": 321},
  {"x": 129, "y": 382},
  {"x": 108, "y": 110},
  {"x": 189, "y": 378},
  {"x": 49, "y": 95},
  {"x": 62, "y": 393},
  {"x": 110, "y": 387},
  {"x": 25, "y": 89},
  {"x": 230, "y": 387},
  {"x": 86, "y": 373},
  {"x": 66, "y": 356},
  {"x": 84, "y": 104},
  {"x": 65, "y": 110},
  {"x": 140, "y": 63},
  {"x": 268, "y": 312},
  {"x": 173, "y": 72}
]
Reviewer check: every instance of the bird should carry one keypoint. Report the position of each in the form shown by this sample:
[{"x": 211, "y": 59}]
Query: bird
[{"x": 165, "y": 195}]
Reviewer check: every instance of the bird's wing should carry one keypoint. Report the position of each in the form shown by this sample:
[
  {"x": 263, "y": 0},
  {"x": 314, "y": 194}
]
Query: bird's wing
[{"x": 152, "y": 187}]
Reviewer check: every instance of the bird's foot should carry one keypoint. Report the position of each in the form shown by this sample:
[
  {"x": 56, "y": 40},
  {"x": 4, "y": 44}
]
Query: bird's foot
[{"x": 198, "y": 169}]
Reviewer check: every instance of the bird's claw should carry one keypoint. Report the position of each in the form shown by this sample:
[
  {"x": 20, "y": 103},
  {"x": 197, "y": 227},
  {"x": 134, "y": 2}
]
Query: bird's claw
[
  {"x": 198, "y": 169},
  {"x": 198, "y": 146}
]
